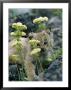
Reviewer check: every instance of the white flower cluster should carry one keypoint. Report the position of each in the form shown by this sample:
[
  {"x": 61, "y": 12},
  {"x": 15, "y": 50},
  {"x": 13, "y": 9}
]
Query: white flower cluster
[
  {"x": 17, "y": 34},
  {"x": 34, "y": 41},
  {"x": 15, "y": 43},
  {"x": 40, "y": 19},
  {"x": 19, "y": 26},
  {"x": 15, "y": 57},
  {"x": 35, "y": 51}
]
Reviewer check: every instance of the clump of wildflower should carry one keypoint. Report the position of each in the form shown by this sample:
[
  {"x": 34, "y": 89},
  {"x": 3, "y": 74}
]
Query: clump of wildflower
[
  {"x": 14, "y": 57},
  {"x": 14, "y": 25},
  {"x": 35, "y": 51},
  {"x": 17, "y": 43},
  {"x": 23, "y": 33},
  {"x": 40, "y": 19},
  {"x": 19, "y": 26},
  {"x": 34, "y": 41},
  {"x": 17, "y": 34},
  {"x": 45, "y": 19},
  {"x": 12, "y": 34},
  {"x": 49, "y": 59}
]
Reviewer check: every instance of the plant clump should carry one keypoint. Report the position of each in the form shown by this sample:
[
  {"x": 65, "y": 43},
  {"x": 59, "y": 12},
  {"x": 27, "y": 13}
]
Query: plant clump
[
  {"x": 40, "y": 20},
  {"x": 35, "y": 51},
  {"x": 19, "y": 26},
  {"x": 34, "y": 42}
]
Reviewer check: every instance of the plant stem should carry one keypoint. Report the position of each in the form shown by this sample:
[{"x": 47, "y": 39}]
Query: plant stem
[{"x": 40, "y": 65}]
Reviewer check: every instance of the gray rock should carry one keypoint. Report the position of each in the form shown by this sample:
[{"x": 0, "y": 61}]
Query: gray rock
[
  {"x": 55, "y": 22},
  {"x": 13, "y": 72},
  {"x": 54, "y": 71}
]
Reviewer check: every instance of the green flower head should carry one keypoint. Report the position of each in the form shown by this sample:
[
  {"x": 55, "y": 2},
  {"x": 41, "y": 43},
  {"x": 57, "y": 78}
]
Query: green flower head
[
  {"x": 34, "y": 41},
  {"x": 40, "y": 19},
  {"x": 12, "y": 34},
  {"x": 45, "y": 19},
  {"x": 17, "y": 34},
  {"x": 17, "y": 43},
  {"x": 14, "y": 58},
  {"x": 35, "y": 51},
  {"x": 23, "y": 33},
  {"x": 19, "y": 26}
]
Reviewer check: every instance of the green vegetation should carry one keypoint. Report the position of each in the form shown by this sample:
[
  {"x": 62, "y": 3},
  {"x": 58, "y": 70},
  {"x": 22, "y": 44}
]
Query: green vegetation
[{"x": 55, "y": 55}]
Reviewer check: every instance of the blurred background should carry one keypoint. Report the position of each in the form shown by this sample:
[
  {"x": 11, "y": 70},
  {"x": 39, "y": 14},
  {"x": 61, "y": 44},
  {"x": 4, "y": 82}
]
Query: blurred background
[{"x": 26, "y": 16}]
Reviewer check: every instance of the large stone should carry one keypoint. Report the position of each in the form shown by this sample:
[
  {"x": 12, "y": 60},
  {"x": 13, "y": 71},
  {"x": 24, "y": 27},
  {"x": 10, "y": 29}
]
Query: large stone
[{"x": 54, "y": 71}]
